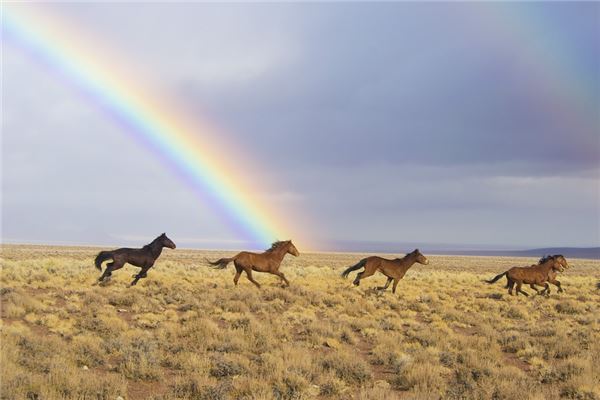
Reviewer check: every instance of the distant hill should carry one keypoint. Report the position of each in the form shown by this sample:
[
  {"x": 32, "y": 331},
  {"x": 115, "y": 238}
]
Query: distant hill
[
  {"x": 573, "y": 252},
  {"x": 466, "y": 250}
]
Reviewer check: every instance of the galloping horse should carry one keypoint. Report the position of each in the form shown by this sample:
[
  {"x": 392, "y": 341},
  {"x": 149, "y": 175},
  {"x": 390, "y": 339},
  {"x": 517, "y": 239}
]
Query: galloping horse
[
  {"x": 551, "y": 275},
  {"x": 534, "y": 275},
  {"x": 143, "y": 258},
  {"x": 393, "y": 269},
  {"x": 268, "y": 261}
]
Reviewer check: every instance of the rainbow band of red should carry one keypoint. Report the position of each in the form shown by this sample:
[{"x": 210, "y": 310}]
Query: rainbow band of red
[{"x": 185, "y": 151}]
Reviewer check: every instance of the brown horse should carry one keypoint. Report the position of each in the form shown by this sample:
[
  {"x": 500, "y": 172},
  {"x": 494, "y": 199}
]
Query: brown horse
[
  {"x": 551, "y": 275},
  {"x": 534, "y": 275},
  {"x": 393, "y": 269},
  {"x": 268, "y": 261},
  {"x": 143, "y": 258}
]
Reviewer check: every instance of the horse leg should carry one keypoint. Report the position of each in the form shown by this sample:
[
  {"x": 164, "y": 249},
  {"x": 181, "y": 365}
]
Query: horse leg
[
  {"x": 250, "y": 278},
  {"x": 238, "y": 272},
  {"x": 396, "y": 280},
  {"x": 510, "y": 285},
  {"x": 546, "y": 290},
  {"x": 557, "y": 284},
  {"x": 282, "y": 276},
  {"x": 110, "y": 267},
  {"x": 361, "y": 275},
  {"x": 535, "y": 288},
  {"x": 143, "y": 273},
  {"x": 107, "y": 272},
  {"x": 356, "y": 281},
  {"x": 387, "y": 284},
  {"x": 117, "y": 264},
  {"x": 519, "y": 290}
]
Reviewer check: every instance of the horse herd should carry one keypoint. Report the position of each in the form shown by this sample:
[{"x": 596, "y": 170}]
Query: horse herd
[{"x": 270, "y": 260}]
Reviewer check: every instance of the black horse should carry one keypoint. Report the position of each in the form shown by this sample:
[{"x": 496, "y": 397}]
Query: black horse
[{"x": 143, "y": 258}]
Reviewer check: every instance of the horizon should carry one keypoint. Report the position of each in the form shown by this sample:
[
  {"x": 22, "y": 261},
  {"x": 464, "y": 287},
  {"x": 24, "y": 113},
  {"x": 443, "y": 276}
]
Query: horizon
[
  {"x": 353, "y": 124},
  {"x": 338, "y": 247}
]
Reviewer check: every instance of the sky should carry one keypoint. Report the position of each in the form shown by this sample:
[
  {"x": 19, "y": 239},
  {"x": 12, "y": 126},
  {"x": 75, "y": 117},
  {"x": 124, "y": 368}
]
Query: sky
[{"x": 456, "y": 124}]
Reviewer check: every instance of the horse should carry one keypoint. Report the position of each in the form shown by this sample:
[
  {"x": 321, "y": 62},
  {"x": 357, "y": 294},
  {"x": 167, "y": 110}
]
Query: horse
[
  {"x": 551, "y": 275},
  {"x": 393, "y": 269},
  {"x": 268, "y": 261},
  {"x": 143, "y": 258},
  {"x": 533, "y": 275}
]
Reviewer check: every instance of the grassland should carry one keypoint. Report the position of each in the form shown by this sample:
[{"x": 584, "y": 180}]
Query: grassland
[{"x": 186, "y": 332}]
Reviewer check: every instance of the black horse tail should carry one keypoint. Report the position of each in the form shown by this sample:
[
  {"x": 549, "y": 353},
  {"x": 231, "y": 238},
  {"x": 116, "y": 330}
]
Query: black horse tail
[
  {"x": 221, "y": 263},
  {"x": 497, "y": 277},
  {"x": 359, "y": 265},
  {"x": 101, "y": 257}
]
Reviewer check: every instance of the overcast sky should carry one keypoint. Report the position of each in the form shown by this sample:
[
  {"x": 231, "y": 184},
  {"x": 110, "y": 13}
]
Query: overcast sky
[{"x": 466, "y": 124}]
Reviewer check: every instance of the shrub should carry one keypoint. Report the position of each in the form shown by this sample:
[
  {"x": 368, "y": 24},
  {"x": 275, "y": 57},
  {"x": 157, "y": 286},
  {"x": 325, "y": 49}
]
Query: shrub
[{"x": 351, "y": 370}]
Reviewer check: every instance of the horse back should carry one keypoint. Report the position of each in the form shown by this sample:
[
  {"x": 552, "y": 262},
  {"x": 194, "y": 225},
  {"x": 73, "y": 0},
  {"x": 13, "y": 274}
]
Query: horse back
[
  {"x": 373, "y": 262},
  {"x": 528, "y": 274},
  {"x": 384, "y": 265},
  {"x": 137, "y": 257},
  {"x": 256, "y": 261}
]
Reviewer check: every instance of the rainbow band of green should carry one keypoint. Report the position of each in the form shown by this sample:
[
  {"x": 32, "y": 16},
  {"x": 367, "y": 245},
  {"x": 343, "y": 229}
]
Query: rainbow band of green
[{"x": 156, "y": 128}]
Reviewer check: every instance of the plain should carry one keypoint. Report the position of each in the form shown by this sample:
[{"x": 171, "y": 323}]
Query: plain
[{"x": 186, "y": 332}]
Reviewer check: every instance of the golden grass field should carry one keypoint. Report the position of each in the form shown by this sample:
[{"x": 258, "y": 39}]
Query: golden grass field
[{"x": 186, "y": 332}]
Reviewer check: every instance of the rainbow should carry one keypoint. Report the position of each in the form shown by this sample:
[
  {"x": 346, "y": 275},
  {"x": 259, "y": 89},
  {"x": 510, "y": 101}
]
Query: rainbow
[
  {"x": 190, "y": 151},
  {"x": 558, "y": 83}
]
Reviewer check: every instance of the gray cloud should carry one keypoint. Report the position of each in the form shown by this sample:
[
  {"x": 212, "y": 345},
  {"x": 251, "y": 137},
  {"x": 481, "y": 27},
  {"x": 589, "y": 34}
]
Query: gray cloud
[{"x": 400, "y": 121}]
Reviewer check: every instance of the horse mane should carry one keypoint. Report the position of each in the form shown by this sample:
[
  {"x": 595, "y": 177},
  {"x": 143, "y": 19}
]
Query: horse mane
[
  {"x": 275, "y": 245},
  {"x": 549, "y": 257}
]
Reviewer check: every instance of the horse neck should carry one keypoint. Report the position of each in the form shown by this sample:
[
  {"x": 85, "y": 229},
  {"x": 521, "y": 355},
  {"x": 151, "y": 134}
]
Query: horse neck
[
  {"x": 279, "y": 253},
  {"x": 408, "y": 260},
  {"x": 547, "y": 266},
  {"x": 155, "y": 248}
]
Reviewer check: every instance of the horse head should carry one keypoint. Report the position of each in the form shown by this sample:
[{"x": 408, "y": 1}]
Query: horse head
[
  {"x": 559, "y": 262},
  {"x": 562, "y": 261},
  {"x": 421, "y": 259},
  {"x": 166, "y": 242},
  {"x": 292, "y": 249}
]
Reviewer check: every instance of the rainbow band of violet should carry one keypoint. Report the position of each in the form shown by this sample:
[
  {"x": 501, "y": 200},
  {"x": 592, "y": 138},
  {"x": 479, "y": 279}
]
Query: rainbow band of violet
[{"x": 152, "y": 126}]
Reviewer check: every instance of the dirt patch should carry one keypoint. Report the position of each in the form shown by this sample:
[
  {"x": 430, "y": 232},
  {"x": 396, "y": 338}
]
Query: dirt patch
[
  {"x": 364, "y": 350},
  {"x": 515, "y": 361},
  {"x": 125, "y": 315},
  {"x": 465, "y": 331},
  {"x": 140, "y": 390},
  {"x": 38, "y": 330}
]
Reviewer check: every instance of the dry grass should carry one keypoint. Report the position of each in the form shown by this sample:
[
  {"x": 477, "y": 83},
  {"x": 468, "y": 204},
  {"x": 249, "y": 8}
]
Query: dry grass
[{"x": 186, "y": 333}]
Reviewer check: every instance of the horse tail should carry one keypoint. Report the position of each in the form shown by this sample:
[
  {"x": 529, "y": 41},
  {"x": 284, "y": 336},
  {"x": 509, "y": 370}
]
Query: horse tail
[
  {"x": 359, "y": 265},
  {"x": 497, "y": 277},
  {"x": 221, "y": 263},
  {"x": 101, "y": 257}
]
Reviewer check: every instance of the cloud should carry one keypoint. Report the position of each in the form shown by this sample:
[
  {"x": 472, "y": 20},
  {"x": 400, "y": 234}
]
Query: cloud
[{"x": 397, "y": 121}]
